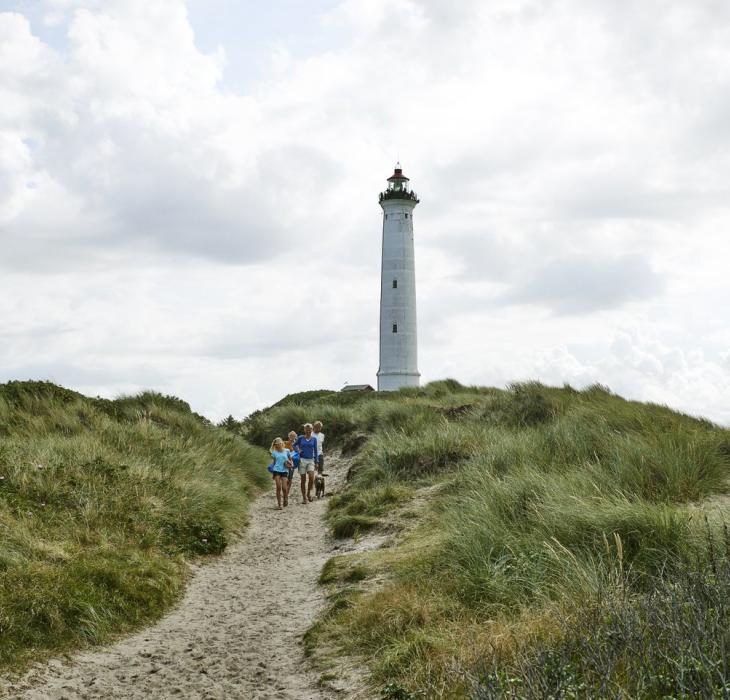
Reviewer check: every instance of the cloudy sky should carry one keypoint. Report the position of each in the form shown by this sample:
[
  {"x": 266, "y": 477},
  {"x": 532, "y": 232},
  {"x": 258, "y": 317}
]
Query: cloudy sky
[{"x": 188, "y": 193}]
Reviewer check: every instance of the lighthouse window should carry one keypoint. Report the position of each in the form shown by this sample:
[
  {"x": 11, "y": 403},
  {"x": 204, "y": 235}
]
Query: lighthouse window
[
  {"x": 395, "y": 284},
  {"x": 386, "y": 216},
  {"x": 406, "y": 216},
  {"x": 395, "y": 328}
]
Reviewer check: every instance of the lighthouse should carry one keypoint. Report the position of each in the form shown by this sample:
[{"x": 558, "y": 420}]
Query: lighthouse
[{"x": 398, "y": 338}]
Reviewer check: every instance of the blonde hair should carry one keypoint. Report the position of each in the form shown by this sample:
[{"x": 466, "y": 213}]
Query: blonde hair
[
  {"x": 318, "y": 424},
  {"x": 276, "y": 442},
  {"x": 308, "y": 425},
  {"x": 292, "y": 432}
]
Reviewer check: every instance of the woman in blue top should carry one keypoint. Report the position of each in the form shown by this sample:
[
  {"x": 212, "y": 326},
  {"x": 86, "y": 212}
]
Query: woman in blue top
[
  {"x": 280, "y": 470},
  {"x": 306, "y": 445}
]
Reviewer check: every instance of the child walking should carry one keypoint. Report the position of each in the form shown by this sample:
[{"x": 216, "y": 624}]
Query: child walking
[
  {"x": 290, "y": 443},
  {"x": 279, "y": 468}
]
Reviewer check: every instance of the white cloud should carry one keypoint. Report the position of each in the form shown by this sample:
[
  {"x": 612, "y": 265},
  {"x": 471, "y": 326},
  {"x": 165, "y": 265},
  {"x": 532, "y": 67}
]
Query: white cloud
[
  {"x": 571, "y": 284},
  {"x": 157, "y": 227}
]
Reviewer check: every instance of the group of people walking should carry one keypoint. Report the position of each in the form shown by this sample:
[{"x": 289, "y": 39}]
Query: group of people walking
[{"x": 299, "y": 453}]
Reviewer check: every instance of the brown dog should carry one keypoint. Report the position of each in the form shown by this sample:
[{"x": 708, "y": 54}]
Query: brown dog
[{"x": 319, "y": 482}]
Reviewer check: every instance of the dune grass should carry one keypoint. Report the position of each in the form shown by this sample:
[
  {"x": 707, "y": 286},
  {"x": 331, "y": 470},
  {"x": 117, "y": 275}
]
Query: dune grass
[
  {"x": 670, "y": 642},
  {"x": 101, "y": 504},
  {"x": 561, "y": 519}
]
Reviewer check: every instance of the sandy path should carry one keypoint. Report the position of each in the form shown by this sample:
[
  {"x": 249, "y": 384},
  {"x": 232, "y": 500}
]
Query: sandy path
[{"x": 236, "y": 633}]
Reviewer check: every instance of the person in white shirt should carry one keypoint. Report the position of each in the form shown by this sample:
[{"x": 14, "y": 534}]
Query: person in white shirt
[{"x": 317, "y": 427}]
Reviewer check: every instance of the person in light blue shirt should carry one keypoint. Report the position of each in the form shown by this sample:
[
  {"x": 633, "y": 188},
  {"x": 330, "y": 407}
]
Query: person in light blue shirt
[
  {"x": 290, "y": 443},
  {"x": 306, "y": 445},
  {"x": 280, "y": 469}
]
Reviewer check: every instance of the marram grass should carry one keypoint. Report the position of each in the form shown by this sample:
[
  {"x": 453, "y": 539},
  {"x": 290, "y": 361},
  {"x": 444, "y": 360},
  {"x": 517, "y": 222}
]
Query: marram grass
[
  {"x": 101, "y": 504},
  {"x": 544, "y": 524}
]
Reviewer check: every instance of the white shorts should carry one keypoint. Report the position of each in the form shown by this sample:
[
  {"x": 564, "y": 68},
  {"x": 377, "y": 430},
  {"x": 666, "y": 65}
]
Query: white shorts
[{"x": 305, "y": 466}]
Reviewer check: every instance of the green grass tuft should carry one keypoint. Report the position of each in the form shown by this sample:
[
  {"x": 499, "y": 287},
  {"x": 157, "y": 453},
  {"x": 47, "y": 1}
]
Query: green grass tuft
[{"x": 352, "y": 525}]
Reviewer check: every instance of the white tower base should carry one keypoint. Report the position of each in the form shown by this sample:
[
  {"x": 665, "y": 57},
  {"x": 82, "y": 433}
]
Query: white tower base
[{"x": 393, "y": 381}]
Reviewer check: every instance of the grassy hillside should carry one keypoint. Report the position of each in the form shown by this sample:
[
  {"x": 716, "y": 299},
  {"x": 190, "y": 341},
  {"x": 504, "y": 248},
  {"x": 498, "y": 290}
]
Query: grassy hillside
[
  {"x": 542, "y": 542},
  {"x": 101, "y": 504}
]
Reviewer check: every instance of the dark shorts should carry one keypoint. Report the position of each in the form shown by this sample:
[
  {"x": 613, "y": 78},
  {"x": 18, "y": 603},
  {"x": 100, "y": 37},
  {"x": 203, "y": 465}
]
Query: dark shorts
[{"x": 275, "y": 474}]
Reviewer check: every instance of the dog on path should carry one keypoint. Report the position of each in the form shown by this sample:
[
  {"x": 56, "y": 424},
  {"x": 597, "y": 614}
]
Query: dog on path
[{"x": 319, "y": 482}]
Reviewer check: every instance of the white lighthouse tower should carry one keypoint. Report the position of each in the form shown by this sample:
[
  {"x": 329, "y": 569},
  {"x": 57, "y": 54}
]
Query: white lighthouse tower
[{"x": 398, "y": 339}]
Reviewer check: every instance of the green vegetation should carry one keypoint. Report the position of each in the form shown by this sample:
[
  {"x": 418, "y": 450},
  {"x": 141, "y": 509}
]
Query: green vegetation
[
  {"x": 545, "y": 542},
  {"x": 671, "y": 642},
  {"x": 101, "y": 504}
]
